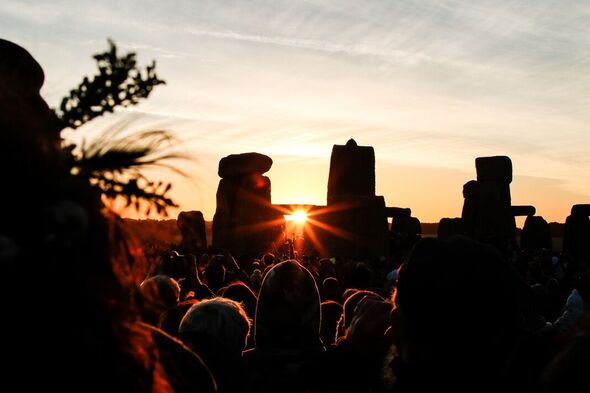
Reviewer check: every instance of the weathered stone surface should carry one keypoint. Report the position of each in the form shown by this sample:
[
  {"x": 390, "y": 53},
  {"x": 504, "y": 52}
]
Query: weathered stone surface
[
  {"x": 245, "y": 221},
  {"x": 356, "y": 228},
  {"x": 524, "y": 210},
  {"x": 191, "y": 225},
  {"x": 246, "y": 190},
  {"x": 494, "y": 220},
  {"x": 497, "y": 168},
  {"x": 398, "y": 212},
  {"x": 581, "y": 210},
  {"x": 469, "y": 216},
  {"x": 494, "y": 195},
  {"x": 352, "y": 171},
  {"x": 405, "y": 233},
  {"x": 470, "y": 189},
  {"x": 449, "y": 227},
  {"x": 407, "y": 226},
  {"x": 536, "y": 234},
  {"x": 576, "y": 238},
  {"x": 487, "y": 213},
  {"x": 469, "y": 212},
  {"x": 244, "y": 164}
]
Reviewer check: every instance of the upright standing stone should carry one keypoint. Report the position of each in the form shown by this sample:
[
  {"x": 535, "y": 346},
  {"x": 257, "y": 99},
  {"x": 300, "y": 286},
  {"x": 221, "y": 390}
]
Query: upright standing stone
[
  {"x": 245, "y": 221},
  {"x": 496, "y": 169},
  {"x": 536, "y": 234},
  {"x": 576, "y": 237},
  {"x": 352, "y": 171},
  {"x": 191, "y": 225},
  {"x": 356, "y": 225},
  {"x": 356, "y": 228},
  {"x": 469, "y": 213},
  {"x": 449, "y": 227},
  {"x": 487, "y": 213}
]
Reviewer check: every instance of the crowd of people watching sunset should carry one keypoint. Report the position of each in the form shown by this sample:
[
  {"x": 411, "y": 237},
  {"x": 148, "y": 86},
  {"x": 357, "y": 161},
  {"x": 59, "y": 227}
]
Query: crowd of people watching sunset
[
  {"x": 454, "y": 315},
  {"x": 82, "y": 313}
]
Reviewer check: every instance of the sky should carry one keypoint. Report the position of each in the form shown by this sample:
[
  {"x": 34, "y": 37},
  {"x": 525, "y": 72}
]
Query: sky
[{"x": 430, "y": 84}]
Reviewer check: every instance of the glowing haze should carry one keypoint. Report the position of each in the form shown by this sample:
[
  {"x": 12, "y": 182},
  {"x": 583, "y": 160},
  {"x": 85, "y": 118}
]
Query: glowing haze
[{"x": 430, "y": 84}]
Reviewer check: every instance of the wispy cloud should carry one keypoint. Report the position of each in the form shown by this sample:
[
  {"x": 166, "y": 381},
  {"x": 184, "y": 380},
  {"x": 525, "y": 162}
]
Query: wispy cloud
[
  {"x": 359, "y": 49},
  {"x": 428, "y": 83}
]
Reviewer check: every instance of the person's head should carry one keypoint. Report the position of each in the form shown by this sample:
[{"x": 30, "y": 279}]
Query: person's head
[
  {"x": 348, "y": 292},
  {"x": 27, "y": 124},
  {"x": 256, "y": 280},
  {"x": 288, "y": 309},
  {"x": 164, "y": 288},
  {"x": 361, "y": 276},
  {"x": 241, "y": 293},
  {"x": 268, "y": 259},
  {"x": 331, "y": 289},
  {"x": 219, "y": 319},
  {"x": 255, "y": 265},
  {"x": 331, "y": 313},
  {"x": 215, "y": 273},
  {"x": 326, "y": 267},
  {"x": 170, "y": 320},
  {"x": 458, "y": 305},
  {"x": 159, "y": 293},
  {"x": 349, "y": 307}
]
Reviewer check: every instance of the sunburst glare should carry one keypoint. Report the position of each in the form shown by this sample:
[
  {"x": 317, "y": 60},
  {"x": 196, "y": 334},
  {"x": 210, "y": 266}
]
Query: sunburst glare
[{"x": 298, "y": 216}]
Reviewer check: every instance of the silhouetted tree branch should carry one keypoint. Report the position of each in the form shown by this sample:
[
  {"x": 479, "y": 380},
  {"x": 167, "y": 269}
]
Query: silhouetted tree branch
[
  {"x": 119, "y": 83},
  {"x": 112, "y": 162}
]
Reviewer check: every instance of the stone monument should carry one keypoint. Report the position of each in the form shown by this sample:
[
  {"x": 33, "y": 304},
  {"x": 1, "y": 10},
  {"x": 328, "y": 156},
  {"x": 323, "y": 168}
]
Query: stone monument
[{"x": 245, "y": 222}]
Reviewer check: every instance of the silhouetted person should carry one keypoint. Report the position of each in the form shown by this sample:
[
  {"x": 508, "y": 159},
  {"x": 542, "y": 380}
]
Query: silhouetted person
[
  {"x": 169, "y": 321},
  {"x": 241, "y": 293},
  {"x": 217, "y": 330},
  {"x": 459, "y": 314},
  {"x": 577, "y": 306},
  {"x": 268, "y": 260},
  {"x": 215, "y": 273},
  {"x": 331, "y": 314},
  {"x": 256, "y": 280},
  {"x": 326, "y": 269},
  {"x": 286, "y": 329},
  {"x": 349, "y": 308},
  {"x": 361, "y": 276},
  {"x": 356, "y": 362},
  {"x": 160, "y": 293},
  {"x": 64, "y": 248},
  {"x": 568, "y": 371},
  {"x": 331, "y": 289}
]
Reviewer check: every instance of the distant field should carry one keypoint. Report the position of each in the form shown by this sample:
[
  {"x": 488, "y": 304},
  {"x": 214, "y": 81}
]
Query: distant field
[
  {"x": 164, "y": 233},
  {"x": 159, "y": 232}
]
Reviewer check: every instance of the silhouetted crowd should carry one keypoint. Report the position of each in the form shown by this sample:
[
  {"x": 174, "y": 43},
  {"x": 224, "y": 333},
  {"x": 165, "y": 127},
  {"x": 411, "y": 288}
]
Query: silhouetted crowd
[
  {"x": 80, "y": 314},
  {"x": 454, "y": 315}
]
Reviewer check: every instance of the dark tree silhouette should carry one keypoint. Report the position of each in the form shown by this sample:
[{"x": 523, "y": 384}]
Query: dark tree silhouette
[
  {"x": 119, "y": 83},
  {"x": 112, "y": 163}
]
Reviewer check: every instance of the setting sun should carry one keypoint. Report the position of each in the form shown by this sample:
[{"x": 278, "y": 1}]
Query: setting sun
[{"x": 298, "y": 216}]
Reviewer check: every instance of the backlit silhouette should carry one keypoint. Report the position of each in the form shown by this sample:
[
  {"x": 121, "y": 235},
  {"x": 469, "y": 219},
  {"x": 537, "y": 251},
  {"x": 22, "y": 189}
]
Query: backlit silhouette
[{"x": 286, "y": 297}]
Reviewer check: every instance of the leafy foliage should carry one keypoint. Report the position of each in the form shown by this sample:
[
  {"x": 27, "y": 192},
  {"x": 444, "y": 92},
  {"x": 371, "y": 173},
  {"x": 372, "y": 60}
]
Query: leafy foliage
[
  {"x": 112, "y": 162},
  {"x": 119, "y": 83}
]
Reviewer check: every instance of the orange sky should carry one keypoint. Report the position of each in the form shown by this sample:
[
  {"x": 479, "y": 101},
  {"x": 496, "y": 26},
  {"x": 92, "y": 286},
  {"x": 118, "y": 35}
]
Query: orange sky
[
  {"x": 430, "y": 84},
  {"x": 431, "y": 193}
]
